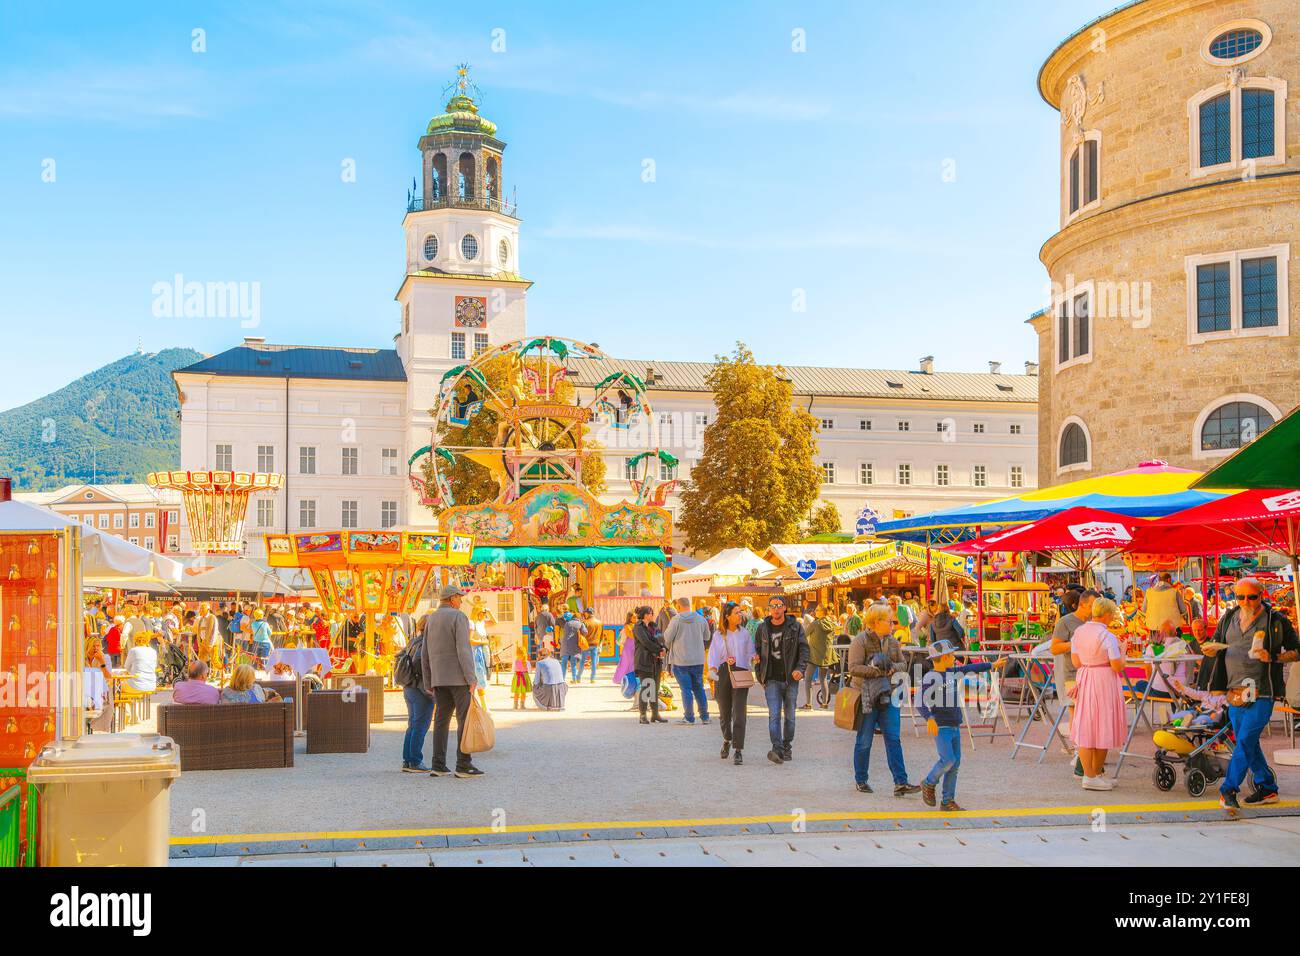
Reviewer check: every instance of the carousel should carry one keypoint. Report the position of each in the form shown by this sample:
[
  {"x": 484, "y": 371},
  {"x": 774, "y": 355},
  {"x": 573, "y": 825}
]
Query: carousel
[
  {"x": 370, "y": 573},
  {"x": 518, "y": 416}
]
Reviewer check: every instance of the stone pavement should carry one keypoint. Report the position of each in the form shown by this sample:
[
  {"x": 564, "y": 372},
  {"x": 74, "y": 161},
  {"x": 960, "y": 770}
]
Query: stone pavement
[
  {"x": 594, "y": 773},
  {"x": 1258, "y": 842}
]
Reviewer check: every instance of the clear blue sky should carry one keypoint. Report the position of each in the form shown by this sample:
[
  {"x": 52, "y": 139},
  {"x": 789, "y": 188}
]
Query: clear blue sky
[{"x": 776, "y": 171}]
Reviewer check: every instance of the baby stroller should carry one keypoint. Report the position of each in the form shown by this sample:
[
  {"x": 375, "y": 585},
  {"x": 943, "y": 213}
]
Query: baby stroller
[
  {"x": 174, "y": 665},
  {"x": 1201, "y": 743},
  {"x": 836, "y": 674}
]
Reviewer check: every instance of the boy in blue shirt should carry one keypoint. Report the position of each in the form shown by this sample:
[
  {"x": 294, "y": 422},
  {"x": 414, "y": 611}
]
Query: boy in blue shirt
[{"x": 940, "y": 704}]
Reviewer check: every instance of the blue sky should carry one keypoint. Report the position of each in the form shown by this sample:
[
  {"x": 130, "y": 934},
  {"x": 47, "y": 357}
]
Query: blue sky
[{"x": 775, "y": 171}]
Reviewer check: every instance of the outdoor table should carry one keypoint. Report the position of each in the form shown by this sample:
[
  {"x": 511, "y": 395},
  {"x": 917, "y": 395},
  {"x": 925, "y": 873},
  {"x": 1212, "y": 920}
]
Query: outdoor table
[
  {"x": 302, "y": 660},
  {"x": 1041, "y": 710},
  {"x": 1139, "y": 711},
  {"x": 995, "y": 702}
]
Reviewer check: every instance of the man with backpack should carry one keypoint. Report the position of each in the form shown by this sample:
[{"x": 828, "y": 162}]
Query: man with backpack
[{"x": 408, "y": 673}]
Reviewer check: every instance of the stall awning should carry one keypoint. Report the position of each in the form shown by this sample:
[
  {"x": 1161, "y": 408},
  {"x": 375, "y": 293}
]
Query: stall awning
[{"x": 586, "y": 556}]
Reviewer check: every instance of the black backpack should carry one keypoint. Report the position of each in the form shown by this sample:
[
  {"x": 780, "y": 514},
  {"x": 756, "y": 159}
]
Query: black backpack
[{"x": 407, "y": 669}]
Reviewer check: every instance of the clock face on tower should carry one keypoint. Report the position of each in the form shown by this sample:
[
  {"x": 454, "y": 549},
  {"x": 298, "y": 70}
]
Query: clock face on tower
[{"x": 471, "y": 312}]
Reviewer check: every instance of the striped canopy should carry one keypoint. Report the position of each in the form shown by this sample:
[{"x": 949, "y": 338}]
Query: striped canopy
[{"x": 1151, "y": 490}]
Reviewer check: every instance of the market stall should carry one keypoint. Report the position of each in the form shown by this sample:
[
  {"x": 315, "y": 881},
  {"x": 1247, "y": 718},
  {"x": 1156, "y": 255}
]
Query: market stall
[{"x": 732, "y": 566}]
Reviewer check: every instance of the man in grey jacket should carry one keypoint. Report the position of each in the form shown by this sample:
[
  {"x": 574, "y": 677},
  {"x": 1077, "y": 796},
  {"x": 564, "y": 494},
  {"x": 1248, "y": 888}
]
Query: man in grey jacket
[
  {"x": 448, "y": 667},
  {"x": 687, "y": 635}
]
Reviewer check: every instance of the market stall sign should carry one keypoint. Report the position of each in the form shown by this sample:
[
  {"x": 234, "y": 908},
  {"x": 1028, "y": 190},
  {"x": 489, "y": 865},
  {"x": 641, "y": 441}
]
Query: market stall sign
[{"x": 806, "y": 569}]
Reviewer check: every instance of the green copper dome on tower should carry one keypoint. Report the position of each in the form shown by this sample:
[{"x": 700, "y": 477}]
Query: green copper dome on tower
[{"x": 461, "y": 114}]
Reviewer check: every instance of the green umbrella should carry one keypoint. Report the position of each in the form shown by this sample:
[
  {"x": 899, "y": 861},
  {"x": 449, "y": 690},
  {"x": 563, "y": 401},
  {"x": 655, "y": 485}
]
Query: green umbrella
[{"x": 1271, "y": 461}]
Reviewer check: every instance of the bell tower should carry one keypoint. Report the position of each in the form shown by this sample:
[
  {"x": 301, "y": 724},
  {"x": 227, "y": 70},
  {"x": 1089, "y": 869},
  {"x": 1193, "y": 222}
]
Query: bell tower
[{"x": 462, "y": 292}]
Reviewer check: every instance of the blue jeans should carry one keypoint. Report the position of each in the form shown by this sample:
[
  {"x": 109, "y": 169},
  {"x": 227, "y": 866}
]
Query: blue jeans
[
  {"x": 591, "y": 654},
  {"x": 1247, "y": 724},
  {"x": 948, "y": 743},
  {"x": 419, "y": 711},
  {"x": 888, "y": 718},
  {"x": 570, "y": 662},
  {"x": 781, "y": 694},
  {"x": 691, "y": 680}
]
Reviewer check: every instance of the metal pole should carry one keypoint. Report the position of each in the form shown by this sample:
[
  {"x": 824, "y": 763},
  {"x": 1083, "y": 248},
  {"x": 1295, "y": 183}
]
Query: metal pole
[
  {"x": 979, "y": 590},
  {"x": 927, "y": 568},
  {"x": 1295, "y": 562}
]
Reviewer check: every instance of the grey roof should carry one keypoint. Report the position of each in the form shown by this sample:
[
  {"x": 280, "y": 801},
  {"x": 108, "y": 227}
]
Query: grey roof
[
  {"x": 298, "y": 361},
  {"x": 833, "y": 382}
]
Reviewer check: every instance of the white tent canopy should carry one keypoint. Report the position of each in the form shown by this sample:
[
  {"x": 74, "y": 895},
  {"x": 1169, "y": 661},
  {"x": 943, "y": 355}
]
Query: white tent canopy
[
  {"x": 725, "y": 567},
  {"x": 238, "y": 576},
  {"x": 104, "y": 559}
]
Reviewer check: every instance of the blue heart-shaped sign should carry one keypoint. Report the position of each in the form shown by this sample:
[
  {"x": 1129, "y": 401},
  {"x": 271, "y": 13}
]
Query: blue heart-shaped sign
[{"x": 806, "y": 569}]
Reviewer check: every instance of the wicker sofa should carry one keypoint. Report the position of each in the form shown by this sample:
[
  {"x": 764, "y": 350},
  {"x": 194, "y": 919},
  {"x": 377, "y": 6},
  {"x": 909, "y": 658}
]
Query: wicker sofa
[
  {"x": 230, "y": 736},
  {"x": 372, "y": 683}
]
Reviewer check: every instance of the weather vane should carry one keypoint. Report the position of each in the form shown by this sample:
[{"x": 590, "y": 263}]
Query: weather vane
[{"x": 463, "y": 85}]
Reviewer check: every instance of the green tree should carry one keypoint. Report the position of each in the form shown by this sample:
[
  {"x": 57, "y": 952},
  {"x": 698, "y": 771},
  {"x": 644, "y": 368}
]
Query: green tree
[
  {"x": 472, "y": 483},
  {"x": 825, "y": 520},
  {"x": 756, "y": 478}
]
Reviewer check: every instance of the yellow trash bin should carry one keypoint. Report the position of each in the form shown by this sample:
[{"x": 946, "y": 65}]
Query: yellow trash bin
[{"x": 105, "y": 799}]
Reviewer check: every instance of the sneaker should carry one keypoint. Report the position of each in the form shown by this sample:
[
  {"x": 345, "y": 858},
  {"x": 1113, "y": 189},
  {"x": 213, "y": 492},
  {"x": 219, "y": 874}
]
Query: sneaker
[
  {"x": 1262, "y": 796},
  {"x": 787, "y": 754},
  {"x": 683, "y": 720},
  {"x": 645, "y": 720},
  {"x": 903, "y": 789},
  {"x": 726, "y": 749},
  {"x": 658, "y": 720},
  {"x": 738, "y": 759},
  {"x": 468, "y": 772},
  {"x": 927, "y": 794},
  {"x": 950, "y": 806},
  {"x": 443, "y": 771},
  {"x": 1098, "y": 783},
  {"x": 1228, "y": 800},
  {"x": 775, "y": 757},
  {"x": 414, "y": 768},
  {"x": 865, "y": 788},
  {"x": 704, "y": 721}
]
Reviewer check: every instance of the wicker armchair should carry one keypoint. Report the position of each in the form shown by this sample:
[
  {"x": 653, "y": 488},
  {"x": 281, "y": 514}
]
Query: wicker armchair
[
  {"x": 336, "y": 721},
  {"x": 373, "y": 683},
  {"x": 230, "y": 736}
]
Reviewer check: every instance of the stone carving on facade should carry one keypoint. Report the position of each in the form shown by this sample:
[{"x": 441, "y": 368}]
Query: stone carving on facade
[{"x": 1075, "y": 102}]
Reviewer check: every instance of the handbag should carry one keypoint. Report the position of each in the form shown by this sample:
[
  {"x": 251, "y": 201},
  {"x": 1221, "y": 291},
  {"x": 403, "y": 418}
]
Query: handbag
[
  {"x": 848, "y": 708},
  {"x": 740, "y": 679},
  {"x": 480, "y": 734}
]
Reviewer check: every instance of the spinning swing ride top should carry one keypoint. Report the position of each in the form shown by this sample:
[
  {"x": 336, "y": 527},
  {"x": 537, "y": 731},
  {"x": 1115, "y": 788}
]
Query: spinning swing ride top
[{"x": 216, "y": 503}]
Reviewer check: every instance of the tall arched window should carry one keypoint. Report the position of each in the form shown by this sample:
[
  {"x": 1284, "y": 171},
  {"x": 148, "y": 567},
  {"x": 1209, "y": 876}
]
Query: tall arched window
[
  {"x": 491, "y": 179},
  {"x": 1216, "y": 131},
  {"x": 439, "y": 176},
  {"x": 1234, "y": 424},
  {"x": 1074, "y": 446},
  {"x": 1084, "y": 176},
  {"x": 1236, "y": 123},
  {"x": 465, "y": 182}
]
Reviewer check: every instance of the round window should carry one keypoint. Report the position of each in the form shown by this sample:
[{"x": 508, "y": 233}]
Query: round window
[
  {"x": 1235, "y": 43},
  {"x": 431, "y": 248},
  {"x": 469, "y": 247},
  {"x": 503, "y": 253}
]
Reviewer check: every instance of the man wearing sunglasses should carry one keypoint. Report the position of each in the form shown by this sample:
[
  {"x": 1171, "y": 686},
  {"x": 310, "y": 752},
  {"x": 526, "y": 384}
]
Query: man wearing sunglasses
[
  {"x": 1259, "y": 640},
  {"x": 781, "y": 656}
]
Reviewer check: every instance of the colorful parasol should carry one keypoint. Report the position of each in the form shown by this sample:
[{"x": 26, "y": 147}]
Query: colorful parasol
[
  {"x": 1151, "y": 490},
  {"x": 1071, "y": 530}
]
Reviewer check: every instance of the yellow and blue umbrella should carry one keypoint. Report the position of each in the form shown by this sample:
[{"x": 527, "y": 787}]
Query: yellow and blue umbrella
[{"x": 1151, "y": 490}]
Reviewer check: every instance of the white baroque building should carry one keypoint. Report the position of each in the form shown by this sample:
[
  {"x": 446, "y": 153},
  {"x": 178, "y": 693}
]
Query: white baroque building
[{"x": 341, "y": 424}]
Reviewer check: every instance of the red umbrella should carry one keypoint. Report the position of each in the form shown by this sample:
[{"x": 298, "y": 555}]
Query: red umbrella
[
  {"x": 1257, "y": 520},
  {"x": 1068, "y": 535},
  {"x": 1071, "y": 530}
]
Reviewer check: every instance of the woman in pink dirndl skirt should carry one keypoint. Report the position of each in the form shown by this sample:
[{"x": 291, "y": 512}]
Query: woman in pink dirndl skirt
[{"x": 1099, "y": 723}]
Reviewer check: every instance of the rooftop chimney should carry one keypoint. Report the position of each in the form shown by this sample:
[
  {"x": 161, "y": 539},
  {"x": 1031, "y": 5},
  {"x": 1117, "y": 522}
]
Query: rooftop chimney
[
  {"x": 1031, "y": 368},
  {"x": 254, "y": 339},
  {"x": 995, "y": 368},
  {"x": 6, "y": 489},
  {"x": 927, "y": 365}
]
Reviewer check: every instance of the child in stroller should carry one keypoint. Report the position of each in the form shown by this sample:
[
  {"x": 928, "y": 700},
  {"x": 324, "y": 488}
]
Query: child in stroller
[
  {"x": 173, "y": 664},
  {"x": 1198, "y": 736},
  {"x": 836, "y": 675}
]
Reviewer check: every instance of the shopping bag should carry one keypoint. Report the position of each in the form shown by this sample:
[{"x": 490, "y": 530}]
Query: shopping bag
[
  {"x": 848, "y": 708},
  {"x": 480, "y": 734},
  {"x": 630, "y": 685}
]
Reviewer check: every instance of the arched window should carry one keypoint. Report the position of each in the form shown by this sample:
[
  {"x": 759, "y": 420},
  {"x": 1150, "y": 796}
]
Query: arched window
[
  {"x": 491, "y": 179},
  {"x": 1234, "y": 424},
  {"x": 1239, "y": 123},
  {"x": 431, "y": 247},
  {"x": 1074, "y": 446},
  {"x": 1084, "y": 178},
  {"x": 465, "y": 181},
  {"x": 439, "y": 176}
]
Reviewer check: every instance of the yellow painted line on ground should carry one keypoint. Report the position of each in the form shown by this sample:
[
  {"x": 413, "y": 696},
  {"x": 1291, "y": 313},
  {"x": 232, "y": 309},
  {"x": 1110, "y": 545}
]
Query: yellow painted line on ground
[{"x": 1013, "y": 813}]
